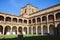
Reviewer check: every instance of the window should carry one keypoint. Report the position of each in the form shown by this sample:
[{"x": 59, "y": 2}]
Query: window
[
  {"x": 33, "y": 20},
  {"x": 25, "y": 10},
  {"x": 25, "y": 21},
  {"x": 30, "y": 21}
]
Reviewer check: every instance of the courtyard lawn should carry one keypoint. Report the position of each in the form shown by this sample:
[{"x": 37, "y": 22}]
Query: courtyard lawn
[
  {"x": 42, "y": 38},
  {"x": 30, "y": 37},
  {"x": 14, "y": 36},
  {"x": 8, "y": 36}
]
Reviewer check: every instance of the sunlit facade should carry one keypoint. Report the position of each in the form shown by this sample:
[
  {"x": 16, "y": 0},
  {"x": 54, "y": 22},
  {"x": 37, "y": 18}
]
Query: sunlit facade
[{"x": 31, "y": 21}]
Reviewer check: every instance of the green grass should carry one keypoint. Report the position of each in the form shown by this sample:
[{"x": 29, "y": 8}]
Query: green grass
[
  {"x": 14, "y": 36},
  {"x": 8, "y": 36},
  {"x": 30, "y": 37}
]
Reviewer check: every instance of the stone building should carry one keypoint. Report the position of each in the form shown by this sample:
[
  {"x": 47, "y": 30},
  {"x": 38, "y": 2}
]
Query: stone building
[{"x": 31, "y": 21}]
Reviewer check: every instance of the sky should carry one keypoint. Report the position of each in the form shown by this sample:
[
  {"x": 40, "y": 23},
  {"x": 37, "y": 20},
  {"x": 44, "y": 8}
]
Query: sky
[{"x": 14, "y": 6}]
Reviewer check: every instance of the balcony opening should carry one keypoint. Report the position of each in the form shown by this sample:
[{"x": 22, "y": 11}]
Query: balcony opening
[
  {"x": 8, "y": 19},
  {"x": 1, "y": 18},
  {"x": 20, "y": 30},
  {"x": 29, "y": 21},
  {"x": 50, "y": 17},
  {"x": 44, "y": 18},
  {"x": 33, "y": 20},
  {"x": 58, "y": 16},
  {"x": 20, "y": 20},
  {"x": 25, "y": 21},
  {"x": 38, "y": 20},
  {"x": 14, "y": 19}
]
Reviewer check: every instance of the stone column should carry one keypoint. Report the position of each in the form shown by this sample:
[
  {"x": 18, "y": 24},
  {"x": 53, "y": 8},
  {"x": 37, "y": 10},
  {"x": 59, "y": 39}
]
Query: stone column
[
  {"x": 4, "y": 19},
  {"x": 17, "y": 31},
  {"x": 47, "y": 19},
  {"x": 11, "y": 31},
  {"x": 27, "y": 30},
  {"x": 41, "y": 30},
  {"x": 55, "y": 20},
  {"x": 36, "y": 25},
  {"x": 36, "y": 20},
  {"x": 41, "y": 27},
  {"x": 31, "y": 27},
  {"x": 41, "y": 19},
  {"x": 36, "y": 30},
  {"x": 11, "y": 20},
  {"x": 22, "y": 21},
  {"x": 31, "y": 21},
  {"x": 28, "y": 22},
  {"x": 56, "y": 33},
  {"x": 17, "y": 20},
  {"x": 54, "y": 17},
  {"x": 3, "y": 30},
  {"x": 32, "y": 30},
  {"x": 48, "y": 29},
  {"x": 47, "y": 24}
]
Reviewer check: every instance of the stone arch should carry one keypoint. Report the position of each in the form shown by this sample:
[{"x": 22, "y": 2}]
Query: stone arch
[
  {"x": 34, "y": 30},
  {"x": 39, "y": 30},
  {"x": 20, "y": 20},
  {"x": 20, "y": 30},
  {"x": 1, "y": 18},
  {"x": 50, "y": 17},
  {"x": 58, "y": 29},
  {"x": 25, "y": 30},
  {"x": 45, "y": 31},
  {"x": 14, "y": 19},
  {"x": 51, "y": 29},
  {"x": 8, "y": 19},
  {"x": 1, "y": 29},
  {"x": 58, "y": 15},
  {"x": 7, "y": 30},
  {"x": 44, "y": 18},
  {"x": 38, "y": 19},
  {"x": 14, "y": 30}
]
